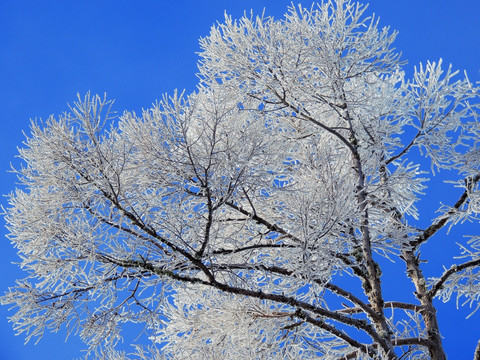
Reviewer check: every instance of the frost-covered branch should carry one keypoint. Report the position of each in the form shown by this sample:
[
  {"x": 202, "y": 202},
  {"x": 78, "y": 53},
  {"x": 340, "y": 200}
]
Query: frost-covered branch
[
  {"x": 454, "y": 269},
  {"x": 226, "y": 221},
  {"x": 444, "y": 219}
]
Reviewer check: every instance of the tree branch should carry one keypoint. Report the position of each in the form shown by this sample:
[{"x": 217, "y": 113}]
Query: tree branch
[
  {"x": 259, "y": 220},
  {"x": 412, "y": 341},
  {"x": 405, "y": 150},
  {"x": 452, "y": 270},
  {"x": 349, "y": 296},
  {"x": 288, "y": 300},
  {"x": 208, "y": 225},
  {"x": 432, "y": 229},
  {"x": 143, "y": 264},
  {"x": 251, "y": 247},
  {"x": 388, "y": 304},
  {"x": 339, "y": 334}
]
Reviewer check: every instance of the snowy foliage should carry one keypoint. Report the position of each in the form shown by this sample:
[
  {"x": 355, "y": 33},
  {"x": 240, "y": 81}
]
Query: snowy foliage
[{"x": 226, "y": 221}]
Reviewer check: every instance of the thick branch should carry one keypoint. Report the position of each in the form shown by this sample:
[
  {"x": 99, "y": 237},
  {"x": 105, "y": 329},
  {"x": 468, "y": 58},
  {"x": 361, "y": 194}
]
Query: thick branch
[
  {"x": 359, "y": 324},
  {"x": 404, "y": 306},
  {"x": 340, "y": 334},
  {"x": 362, "y": 307},
  {"x": 428, "y": 312},
  {"x": 412, "y": 341},
  {"x": 333, "y": 315}
]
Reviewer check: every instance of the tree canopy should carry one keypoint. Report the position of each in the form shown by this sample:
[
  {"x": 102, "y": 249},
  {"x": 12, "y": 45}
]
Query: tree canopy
[{"x": 227, "y": 221}]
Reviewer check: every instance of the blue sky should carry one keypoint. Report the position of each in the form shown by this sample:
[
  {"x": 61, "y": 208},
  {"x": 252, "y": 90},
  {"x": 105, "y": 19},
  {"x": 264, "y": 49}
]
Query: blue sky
[{"x": 137, "y": 50}]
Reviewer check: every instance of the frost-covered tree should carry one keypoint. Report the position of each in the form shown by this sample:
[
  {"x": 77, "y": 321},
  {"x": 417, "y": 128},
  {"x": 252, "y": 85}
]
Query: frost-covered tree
[{"x": 252, "y": 219}]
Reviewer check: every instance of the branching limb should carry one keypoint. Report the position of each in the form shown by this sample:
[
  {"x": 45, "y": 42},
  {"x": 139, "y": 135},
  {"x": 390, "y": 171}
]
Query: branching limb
[
  {"x": 370, "y": 350},
  {"x": 160, "y": 271},
  {"x": 139, "y": 223},
  {"x": 262, "y": 221},
  {"x": 432, "y": 229},
  {"x": 303, "y": 307},
  {"x": 361, "y": 306},
  {"x": 359, "y": 324},
  {"x": 452, "y": 270},
  {"x": 405, "y": 149}
]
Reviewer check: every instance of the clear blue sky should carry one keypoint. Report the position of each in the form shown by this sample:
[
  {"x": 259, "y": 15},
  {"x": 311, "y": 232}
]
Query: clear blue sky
[{"x": 137, "y": 50}]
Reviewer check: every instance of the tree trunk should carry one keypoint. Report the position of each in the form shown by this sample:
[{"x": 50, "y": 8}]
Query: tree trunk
[
  {"x": 477, "y": 352},
  {"x": 429, "y": 313},
  {"x": 433, "y": 333}
]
